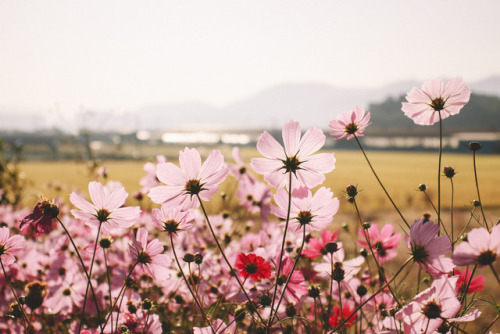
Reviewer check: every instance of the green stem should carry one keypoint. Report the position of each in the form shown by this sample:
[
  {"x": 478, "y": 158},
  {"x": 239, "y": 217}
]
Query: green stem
[
  {"x": 187, "y": 283},
  {"x": 233, "y": 272},
  {"x": 282, "y": 250},
  {"x": 84, "y": 270},
  {"x": 439, "y": 169},
  {"x": 109, "y": 285},
  {"x": 89, "y": 280},
  {"x": 436, "y": 211},
  {"x": 380, "y": 182},
  {"x": 495, "y": 273},
  {"x": 477, "y": 189}
]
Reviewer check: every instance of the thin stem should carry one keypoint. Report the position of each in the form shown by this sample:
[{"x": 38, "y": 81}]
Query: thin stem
[
  {"x": 495, "y": 273},
  {"x": 187, "y": 283},
  {"x": 26, "y": 322},
  {"x": 464, "y": 296},
  {"x": 290, "y": 275},
  {"x": 439, "y": 168},
  {"x": 372, "y": 296},
  {"x": 282, "y": 250},
  {"x": 122, "y": 290},
  {"x": 89, "y": 279},
  {"x": 84, "y": 270},
  {"x": 451, "y": 219},
  {"x": 477, "y": 189},
  {"x": 109, "y": 285},
  {"x": 380, "y": 182},
  {"x": 340, "y": 306},
  {"x": 436, "y": 211},
  {"x": 233, "y": 272}
]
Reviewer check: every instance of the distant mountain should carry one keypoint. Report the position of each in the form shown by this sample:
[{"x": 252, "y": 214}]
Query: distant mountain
[{"x": 312, "y": 104}]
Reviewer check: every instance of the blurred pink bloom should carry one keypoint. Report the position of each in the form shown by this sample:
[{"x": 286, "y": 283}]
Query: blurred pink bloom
[
  {"x": 431, "y": 307},
  {"x": 191, "y": 179},
  {"x": 10, "y": 246},
  {"x": 476, "y": 284},
  {"x": 314, "y": 212},
  {"x": 350, "y": 123},
  {"x": 149, "y": 255},
  {"x": 296, "y": 288},
  {"x": 255, "y": 196},
  {"x": 317, "y": 247},
  {"x": 150, "y": 180},
  {"x": 105, "y": 208},
  {"x": 172, "y": 220},
  {"x": 240, "y": 170},
  {"x": 424, "y": 105},
  {"x": 384, "y": 243},
  {"x": 481, "y": 248},
  {"x": 219, "y": 326},
  {"x": 428, "y": 249},
  {"x": 329, "y": 261},
  {"x": 42, "y": 217},
  {"x": 296, "y": 158}
]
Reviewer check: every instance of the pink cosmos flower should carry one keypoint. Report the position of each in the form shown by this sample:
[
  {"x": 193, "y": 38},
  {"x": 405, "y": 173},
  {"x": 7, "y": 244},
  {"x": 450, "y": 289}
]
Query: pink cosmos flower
[
  {"x": 149, "y": 255},
  {"x": 384, "y": 243},
  {"x": 150, "y": 180},
  {"x": 255, "y": 196},
  {"x": 240, "y": 170},
  {"x": 172, "y": 220},
  {"x": 350, "y": 123},
  {"x": 106, "y": 208},
  {"x": 424, "y": 105},
  {"x": 428, "y": 249},
  {"x": 193, "y": 178},
  {"x": 431, "y": 307},
  {"x": 481, "y": 248},
  {"x": 314, "y": 212},
  {"x": 296, "y": 157},
  {"x": 296, "y": 287},
  {"x": 9, "y": 246},
  {"x": 317, "y": 247}
]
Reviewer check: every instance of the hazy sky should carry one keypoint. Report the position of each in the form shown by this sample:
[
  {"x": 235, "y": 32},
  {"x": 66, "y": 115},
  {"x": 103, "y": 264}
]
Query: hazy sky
[{"x": 125, "y": 54}]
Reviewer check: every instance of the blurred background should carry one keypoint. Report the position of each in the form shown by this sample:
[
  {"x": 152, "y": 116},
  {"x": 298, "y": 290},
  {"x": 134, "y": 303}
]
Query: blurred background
[{"x": 127, "y": 79}]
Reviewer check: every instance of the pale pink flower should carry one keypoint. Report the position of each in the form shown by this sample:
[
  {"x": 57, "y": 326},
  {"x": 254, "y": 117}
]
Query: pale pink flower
[
  {"x": 240, "y": 170},
  {"x": 428, "y": 249},
  {"x": 317, "y": 247},
  {"x": 172, "y": 220},
  {"x": 481, "y": 248},
  {"x": 296, "y": 158},
  {"x": 150, "y": 180},
  {"x": 314, "y": 212},
  {"x": 325, "y": 269},
  {"x": 383, "y": 243},
  {"x": 296, "y": 288},
  {"x": 350, "y": 123},
  {"x": 431, "y": 307},
  {"x": 191, "y": 179},
  {"x": 149, "y": 255},
  {"x": 10, "y": 246},
  {"x": 106, "y": 208},
  {"x": 424, "y": 105},
  {"x": 255, "y": 196}
]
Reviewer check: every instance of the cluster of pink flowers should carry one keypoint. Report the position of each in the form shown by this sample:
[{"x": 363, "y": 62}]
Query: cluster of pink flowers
[{"x": 270, "y": 261}]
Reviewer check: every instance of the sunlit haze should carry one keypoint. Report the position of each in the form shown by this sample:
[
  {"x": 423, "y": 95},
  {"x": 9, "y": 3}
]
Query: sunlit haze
[{"x": 126, "y": 54}]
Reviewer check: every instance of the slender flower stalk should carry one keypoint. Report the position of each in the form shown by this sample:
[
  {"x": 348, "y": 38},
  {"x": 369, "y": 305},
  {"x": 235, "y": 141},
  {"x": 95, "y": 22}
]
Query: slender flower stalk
[
  {"x": 26, "y": 321},
  {"x": 280, "y": 262},
  {"x": 84, "y": 269},
  {"x": 187, "y": 283},
  {"x": 477, "y": 188},
  {"x": 109, "y": 284},
  {"x": 380, "y": 182},
  {"x": 439, "y": 168},
  {"x": 233, "y": 272}
]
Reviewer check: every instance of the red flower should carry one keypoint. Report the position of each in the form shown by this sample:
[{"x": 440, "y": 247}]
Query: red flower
[
  {"x": 253, "y": 266},
  {"x": 336, "y": 319},
  {"x": 477, "y": 283},
  {"x": 42, "y": 217}
]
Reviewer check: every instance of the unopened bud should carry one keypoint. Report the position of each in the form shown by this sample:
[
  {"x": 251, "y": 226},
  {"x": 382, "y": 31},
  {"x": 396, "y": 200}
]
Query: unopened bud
[
  {"x": 449, "y": 172},
  {"x": 290, "y": 310},
  {"x": 366, "y": 225},
  {"x": 331, "y": 247},
  {"x": 313, "y": 292},
  {"x": 422, "y": 187},
  {"x": 351, "y": 191},
  {"x": 474, "y": 146},
  {"x": 188, "y": 258},
  {"x": 198, "y": 258}
]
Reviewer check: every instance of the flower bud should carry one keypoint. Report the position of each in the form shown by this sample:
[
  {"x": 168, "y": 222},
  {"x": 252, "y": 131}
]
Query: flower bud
[
  {"x": 476, "y": 203},
  {"x": 366, "y": 225},
  {"x": 36, "y": 292},
  {"x": 361, "y": 290},
  {"x": 351, "y": 191},
  {"x": 188, "y": 258},
  {"x": 240, "y": 313},
  {"x": 474, "y": 146},
  {"x": 290, "y": 310},
  {"x": 313, "y": 292},
  {"x": 265, "y": 299},
  {"x": 131, "y": 308},
  {"x": 449, "y": 172},
  {"x": 331, "y": 247},
  {"x": 422, "y": 187},
  {"x": 338, "y": 272},
  {"x": 147, "y": 304},
  {"x": 198, "y": 258},
  {"x": 363, "y": 252},
  {"x": 106, "y": 242}
]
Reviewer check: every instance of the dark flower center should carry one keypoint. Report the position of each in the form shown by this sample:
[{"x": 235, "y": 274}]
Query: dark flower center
[
  {"x": 251, "y": 268},
  {"x": 171, "y": 226},
  {"x": 419, "y": 253},
  {"x": 438, "y": 104},
  {"x": 193, "y": 187},
  {"x": 379, "y": 246},
  {"x": 486, "y": 258},
  {"x": 2, "y": 249},
  {"x": 304, "y": 217},
  {"x": 291, "y": 164},
  {"x": 351, "y": 128},
  {"x": 67, "y": 292},
  {"x": 143, "y": 257},
  {"x": 282, "y": 279},
  {"x": 432, "y": 310},
  {"x": 243, "y": 170},
  {"x": 102, "y": 215}
]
